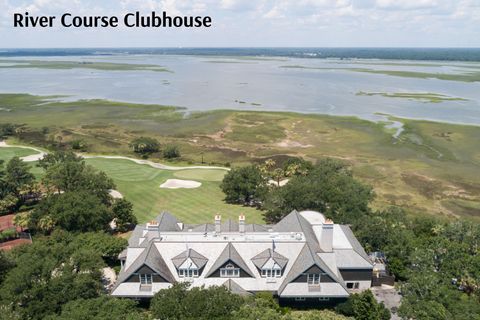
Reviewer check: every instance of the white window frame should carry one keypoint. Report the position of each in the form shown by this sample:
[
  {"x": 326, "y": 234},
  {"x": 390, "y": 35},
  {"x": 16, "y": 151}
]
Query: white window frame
[
  {"x": 229, "y": 271},
  {"x": 355, "y": 285},
  {"x": 145, "y": 278},
  {"x": 313, "y": 279},
  {"x": 188, "y": 273},
  {"x": 271, "y": 273}
]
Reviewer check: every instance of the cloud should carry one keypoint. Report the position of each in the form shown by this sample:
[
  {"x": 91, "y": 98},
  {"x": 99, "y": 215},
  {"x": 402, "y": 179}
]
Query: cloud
[
  {"x": 267, "y": 22},
  {"x": 406, "y": 4}
]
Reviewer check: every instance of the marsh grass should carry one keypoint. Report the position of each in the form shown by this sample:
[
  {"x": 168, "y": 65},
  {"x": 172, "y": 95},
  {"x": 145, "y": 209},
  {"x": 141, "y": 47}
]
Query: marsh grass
[{"x": 447, "y": 153}]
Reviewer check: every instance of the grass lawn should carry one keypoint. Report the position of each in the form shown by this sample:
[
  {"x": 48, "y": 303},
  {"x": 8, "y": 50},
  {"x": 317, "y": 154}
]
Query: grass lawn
[
  {"x": 426, "y": 170},
  {"x": 140, "y": 184}
]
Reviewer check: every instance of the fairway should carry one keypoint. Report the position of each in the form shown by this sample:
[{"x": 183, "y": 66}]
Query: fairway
[{"x": 140, "y": 185}]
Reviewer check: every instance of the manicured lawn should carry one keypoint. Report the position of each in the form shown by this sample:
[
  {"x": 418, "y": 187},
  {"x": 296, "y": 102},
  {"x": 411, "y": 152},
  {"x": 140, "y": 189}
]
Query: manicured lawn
[
  {"x": 140, "y": 184},
  {"x": 8, "y": 153}
]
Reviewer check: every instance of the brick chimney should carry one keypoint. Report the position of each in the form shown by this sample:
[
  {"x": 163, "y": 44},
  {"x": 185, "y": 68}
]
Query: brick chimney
[
  {"x": 326, "y": 237},
  {"x": 241, "y": 223},
  {"x": 218, "y": 222},
  {"x": 152, "y": 225}
]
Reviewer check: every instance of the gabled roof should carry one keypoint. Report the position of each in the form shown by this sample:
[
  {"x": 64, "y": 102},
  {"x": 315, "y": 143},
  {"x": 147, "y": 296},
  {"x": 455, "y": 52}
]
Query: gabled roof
[
  {"x": 260, "y": 259},
  {"x": 229, "y": 254},
  {"x": 234, "y": 287},
  {"x": 357, "y": 247},
  {"x": 199, "y": 260},
  {"x": 122, "y": 255},
  {"x": 290, "y": 223},
  {"x": 306, "y": 259},
  {"x": 151, "y": 258},
  {"x": 167, "y": 222}
]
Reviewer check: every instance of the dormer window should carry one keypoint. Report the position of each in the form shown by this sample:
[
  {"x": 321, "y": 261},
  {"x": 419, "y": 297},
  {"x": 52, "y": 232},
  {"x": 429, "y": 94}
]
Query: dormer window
[
  {"x": 271, "y": 270},
  {"x": 189, "y": 264},
  {"x": 271, "y": 273},
  {"x": 188, "y": 273},
  {"x": 270, "y": 264},
  {"x": 188, "y": 269},
  {"x": 230, "y": 271}
]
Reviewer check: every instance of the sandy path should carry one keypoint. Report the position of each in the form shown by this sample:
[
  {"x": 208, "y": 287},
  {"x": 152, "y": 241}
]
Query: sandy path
[
  {"x": 31, "y": 158},
  {"x": 151, "y": 163},
  {"x": 41, "y": 154}
]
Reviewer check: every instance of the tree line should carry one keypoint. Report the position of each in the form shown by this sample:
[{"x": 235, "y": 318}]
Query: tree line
[{"x": 436, "y": 261}]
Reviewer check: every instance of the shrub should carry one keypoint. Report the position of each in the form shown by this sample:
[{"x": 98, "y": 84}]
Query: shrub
[{"x": 171, "y": 151}]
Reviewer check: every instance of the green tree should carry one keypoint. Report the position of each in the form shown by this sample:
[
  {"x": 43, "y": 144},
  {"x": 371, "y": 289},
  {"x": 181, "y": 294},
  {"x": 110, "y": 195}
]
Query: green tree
[
  {"x": 297, "y": 167},
  {"x": 317, "y": 315},
  {"x": 244, "y": 185},
  {"x": 145, "y": 146},
  {"x": 58, "y": 157},
  {"x": 17, "y": 176},
  {"x": 123, "y": 215},
  {"x": 75, "y": 176},
  {"x": 171, "y": 152},
  {"x": 329, "y": 188},
  {"x": 101, "y": 308},
  {"x": 5, "y": 265},
  {"x": 73, "y": 211},
  {"x": 168, "y": 303},
  {"x": 363, "y": 306},
  {"x": 49, "y": 273},
  {"x": 180, "y": 302},
  {"x": 103, "y": 244}
]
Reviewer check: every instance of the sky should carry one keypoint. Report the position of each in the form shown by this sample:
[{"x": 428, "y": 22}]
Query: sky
[{"x": 257, "y": 23}]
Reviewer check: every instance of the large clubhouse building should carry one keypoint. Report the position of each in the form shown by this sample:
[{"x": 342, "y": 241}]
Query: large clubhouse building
[{"x": 303, "y": 258}]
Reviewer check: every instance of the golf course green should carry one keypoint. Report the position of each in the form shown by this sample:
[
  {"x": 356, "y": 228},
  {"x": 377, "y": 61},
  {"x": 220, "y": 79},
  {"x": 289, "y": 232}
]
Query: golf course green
[{"x": 140, "y": 184}]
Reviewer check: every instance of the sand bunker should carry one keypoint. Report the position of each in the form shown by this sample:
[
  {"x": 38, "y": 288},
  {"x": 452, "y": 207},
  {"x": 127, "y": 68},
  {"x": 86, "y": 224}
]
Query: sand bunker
[
  {"x": 179, "y": 184},
  {"x": 115, "y": 194}
]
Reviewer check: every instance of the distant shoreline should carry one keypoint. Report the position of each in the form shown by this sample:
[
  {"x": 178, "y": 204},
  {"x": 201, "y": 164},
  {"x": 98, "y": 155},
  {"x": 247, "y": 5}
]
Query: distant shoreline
[{"x": 414, "y": 54}]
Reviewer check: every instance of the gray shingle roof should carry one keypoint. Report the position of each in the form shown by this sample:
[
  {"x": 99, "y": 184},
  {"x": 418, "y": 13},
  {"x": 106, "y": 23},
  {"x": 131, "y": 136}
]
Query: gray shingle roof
[
  {"x": 229, "y": 254},
  {"x": 167, "y": 222},
  {"x": 235, "y": 287},
  {"x": 255, "y": 228},
  {"x": 152, "y": 259},
  {"x": 357, "y": 247},
  {"x": 308, "y": 257},
  {"x": 199, "y": 260},
  {"x": 229, "y": 226},
  {"x": 260, "y": 259},
  {"x": 206, "y": 227}
]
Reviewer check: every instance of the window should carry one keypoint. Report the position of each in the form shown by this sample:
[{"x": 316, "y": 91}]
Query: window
[
  {"x": 313, "y": 279},
  {"x": 229, "y": 271},
  {"x": 353, "y": 285},
  {"x": 271, "y": 273},
  {"x": 300, "y": 299},
  {"x": 188, "y": 273},
  {"x": 323, "y": 299},
  {"x": 146, "y": 278}
]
